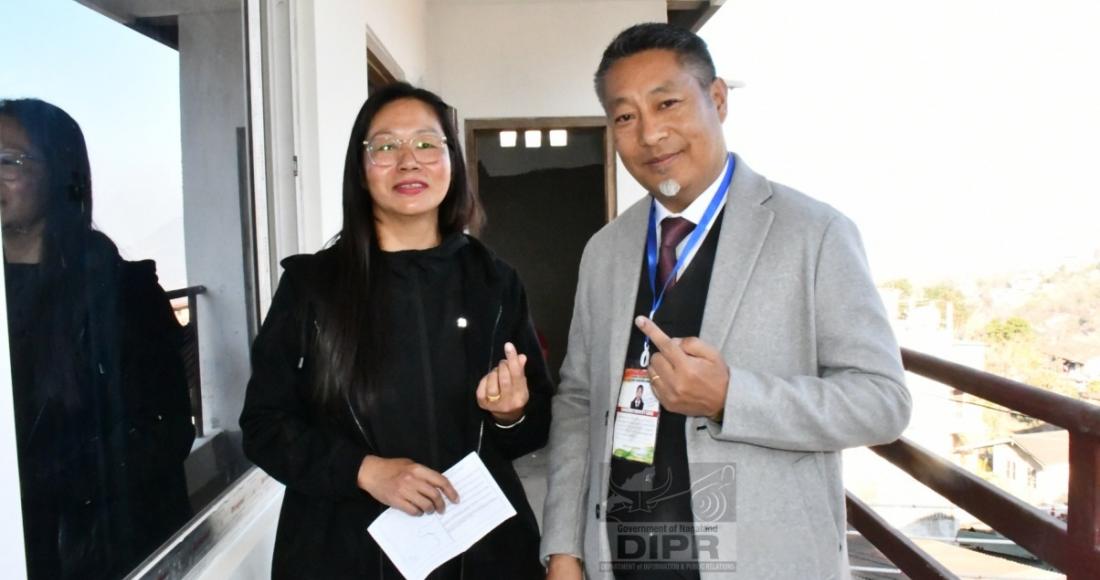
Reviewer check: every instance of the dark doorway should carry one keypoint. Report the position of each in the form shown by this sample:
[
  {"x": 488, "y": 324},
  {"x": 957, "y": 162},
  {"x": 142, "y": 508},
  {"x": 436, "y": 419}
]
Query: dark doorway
[
  {"x": 378, "y": 74},
  {"x": 542, "y": 204}
]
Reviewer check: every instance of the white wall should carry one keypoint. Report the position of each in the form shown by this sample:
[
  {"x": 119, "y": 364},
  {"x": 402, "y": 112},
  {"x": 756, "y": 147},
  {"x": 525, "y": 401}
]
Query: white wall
[
  {"x": 401, "y": 28},
  {"x": 331, "y": 78},
  {"x": 330, "y": 40},
  {"x": 529, "y": 59},
  {"x": 212, "y": 105},
  {"x": 1052, "y": 484},
  {"x": 629, "y": 191},
  {"x": 245, "y": 553},
  {"x": 489, "y": 59}
]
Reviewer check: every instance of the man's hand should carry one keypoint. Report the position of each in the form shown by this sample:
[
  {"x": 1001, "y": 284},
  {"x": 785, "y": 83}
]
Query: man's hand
[
  {"x": 687, "y": 375},
  {"x": 564, "y": 567}
]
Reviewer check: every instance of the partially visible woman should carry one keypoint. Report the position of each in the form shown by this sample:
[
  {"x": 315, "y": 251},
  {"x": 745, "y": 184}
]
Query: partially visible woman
[
  {"x": 102, "y": 415},
  {"x": 391, "y": 355}
]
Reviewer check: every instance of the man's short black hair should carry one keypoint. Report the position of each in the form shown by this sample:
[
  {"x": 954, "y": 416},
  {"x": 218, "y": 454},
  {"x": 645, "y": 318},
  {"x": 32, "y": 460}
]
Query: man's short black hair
[{"x": 691, "y": 50}]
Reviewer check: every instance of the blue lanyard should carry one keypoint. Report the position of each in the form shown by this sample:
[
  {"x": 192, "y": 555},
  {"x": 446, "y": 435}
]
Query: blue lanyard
[{"x": 693, "y": 240}]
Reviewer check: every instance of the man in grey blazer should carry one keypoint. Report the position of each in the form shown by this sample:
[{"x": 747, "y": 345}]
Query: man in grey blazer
[{"x": 761, "y": 334}]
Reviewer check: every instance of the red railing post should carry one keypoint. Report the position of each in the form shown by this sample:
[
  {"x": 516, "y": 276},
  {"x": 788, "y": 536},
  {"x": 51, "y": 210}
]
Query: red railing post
[
  {"x": 900, "y": 550},
  {"x": 1083, "y": 521},
  {"x": 1073, "y": 548},
  {"x": 1032, "y": 529}
]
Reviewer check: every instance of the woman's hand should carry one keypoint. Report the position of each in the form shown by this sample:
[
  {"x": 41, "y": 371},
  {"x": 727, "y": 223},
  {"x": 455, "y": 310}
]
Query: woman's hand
[
  {"x": 407, "y": 486},
  {"x": 503, "y": 392}
]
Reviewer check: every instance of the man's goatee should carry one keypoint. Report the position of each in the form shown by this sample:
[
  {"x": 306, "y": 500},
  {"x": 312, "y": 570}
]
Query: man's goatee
[{"x": 669, "y": 187}]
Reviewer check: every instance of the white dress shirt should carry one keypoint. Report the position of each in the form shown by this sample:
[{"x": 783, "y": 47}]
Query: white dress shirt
[{"x": 694, "y": 214}]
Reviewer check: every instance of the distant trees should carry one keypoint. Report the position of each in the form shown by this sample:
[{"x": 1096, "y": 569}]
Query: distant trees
[
  {"x": 944, "y": 294},
  {"x": 1001, "y": 331},
  {"x": 1030, "y": 341},
  {"x": 1014, "y": 353},
  {"x": 901, "y": 284},
  {"x": 905, "y": 289},
  {"x": 1032, "y": 325}
]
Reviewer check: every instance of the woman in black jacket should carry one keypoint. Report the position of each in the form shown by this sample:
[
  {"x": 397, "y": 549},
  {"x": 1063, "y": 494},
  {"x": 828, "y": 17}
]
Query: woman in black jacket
[
  {"x": 102, "y": 414},
  {"x": 389, "y": 356}
]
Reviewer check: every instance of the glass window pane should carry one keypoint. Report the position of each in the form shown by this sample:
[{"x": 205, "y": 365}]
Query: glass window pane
[{"x": 123, "y": 197}]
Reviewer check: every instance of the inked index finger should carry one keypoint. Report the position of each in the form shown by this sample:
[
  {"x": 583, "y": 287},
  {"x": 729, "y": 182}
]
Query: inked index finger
[
  {"x": 514, "y": 364},
  {"x": 668, "y": 346}
]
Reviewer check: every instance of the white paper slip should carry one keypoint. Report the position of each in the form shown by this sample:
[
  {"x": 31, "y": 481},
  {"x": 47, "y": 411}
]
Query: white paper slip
[{"x": 419, "y": 544}]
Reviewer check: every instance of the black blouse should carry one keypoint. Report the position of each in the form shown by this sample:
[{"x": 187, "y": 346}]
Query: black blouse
[{"x": 421, "y": 389}]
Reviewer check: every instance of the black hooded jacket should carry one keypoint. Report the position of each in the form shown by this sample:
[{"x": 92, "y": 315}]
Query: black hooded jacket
[
  {"x": 429, "y": 413},
  {"x": 103, "y": 419}
]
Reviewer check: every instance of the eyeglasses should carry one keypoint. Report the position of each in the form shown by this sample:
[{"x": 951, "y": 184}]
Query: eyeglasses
[
  {"x": 13, "y": 166},
  {"x": 385, "y": 150}
]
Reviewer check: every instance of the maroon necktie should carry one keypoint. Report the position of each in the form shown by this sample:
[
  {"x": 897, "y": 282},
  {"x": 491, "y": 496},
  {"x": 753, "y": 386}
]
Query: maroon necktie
[{"x": 673, "y": 231}]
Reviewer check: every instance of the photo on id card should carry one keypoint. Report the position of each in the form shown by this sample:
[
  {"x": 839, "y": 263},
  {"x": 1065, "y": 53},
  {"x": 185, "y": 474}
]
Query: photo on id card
[{"x": 637, "y": 413}]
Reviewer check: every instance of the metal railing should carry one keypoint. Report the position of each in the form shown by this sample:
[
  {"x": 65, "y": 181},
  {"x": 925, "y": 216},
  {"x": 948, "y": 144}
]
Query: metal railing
[
  {"x": 1073, "y": 547},
  {"x": 189, "y": 351}
]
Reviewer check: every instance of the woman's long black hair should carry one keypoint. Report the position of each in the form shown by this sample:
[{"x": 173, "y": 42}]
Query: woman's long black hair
[
  {"x": 346, "y": 357},
  {"x": 71, "y": 247},
  {"x": 68, "y": 203}
]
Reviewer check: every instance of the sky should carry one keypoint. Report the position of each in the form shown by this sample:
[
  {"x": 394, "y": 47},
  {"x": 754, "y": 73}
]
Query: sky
[
  {"x": 123, "y": 90},
  {"x": 962, "y": 136}
]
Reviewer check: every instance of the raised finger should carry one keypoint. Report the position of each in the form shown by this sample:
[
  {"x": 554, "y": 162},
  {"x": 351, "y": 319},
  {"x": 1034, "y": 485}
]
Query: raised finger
[
  {"x": 515, "y": 366},
  {"x": 661, "y": 340}
]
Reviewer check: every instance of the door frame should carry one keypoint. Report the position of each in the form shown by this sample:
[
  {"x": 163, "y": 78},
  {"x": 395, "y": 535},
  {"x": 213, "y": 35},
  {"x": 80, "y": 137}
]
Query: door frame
[{"x": 520, "y": 124}]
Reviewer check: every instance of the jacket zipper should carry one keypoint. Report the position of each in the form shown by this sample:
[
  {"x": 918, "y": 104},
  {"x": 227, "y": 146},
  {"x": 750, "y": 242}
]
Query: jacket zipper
[
  {"x": 362, "y": 431},
  {"x": 489, "y": 367},
  {"x": 351, "y": 410},
  {"x": 480, "y": 435},
  {"x": 481, "y": 424}
]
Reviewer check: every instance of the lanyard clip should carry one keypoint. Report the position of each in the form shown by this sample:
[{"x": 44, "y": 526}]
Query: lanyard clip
[{"x": 644, "y": 359}]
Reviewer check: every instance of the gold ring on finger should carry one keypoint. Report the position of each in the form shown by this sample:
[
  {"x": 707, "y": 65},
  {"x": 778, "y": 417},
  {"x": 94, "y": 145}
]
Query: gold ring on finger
[
  {"x": 656, "y": 378},
  {"x": 493, "y": 398}
]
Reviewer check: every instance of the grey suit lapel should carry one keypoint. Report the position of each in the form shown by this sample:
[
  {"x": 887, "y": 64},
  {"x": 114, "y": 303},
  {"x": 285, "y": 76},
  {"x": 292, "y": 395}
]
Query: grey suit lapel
[
  {"x": 745, "y": 226},
  {"x": 625, "y": 271}
]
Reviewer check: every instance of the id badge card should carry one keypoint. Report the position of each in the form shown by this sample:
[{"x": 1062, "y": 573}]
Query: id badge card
[{"x": 636, "y": 415}]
